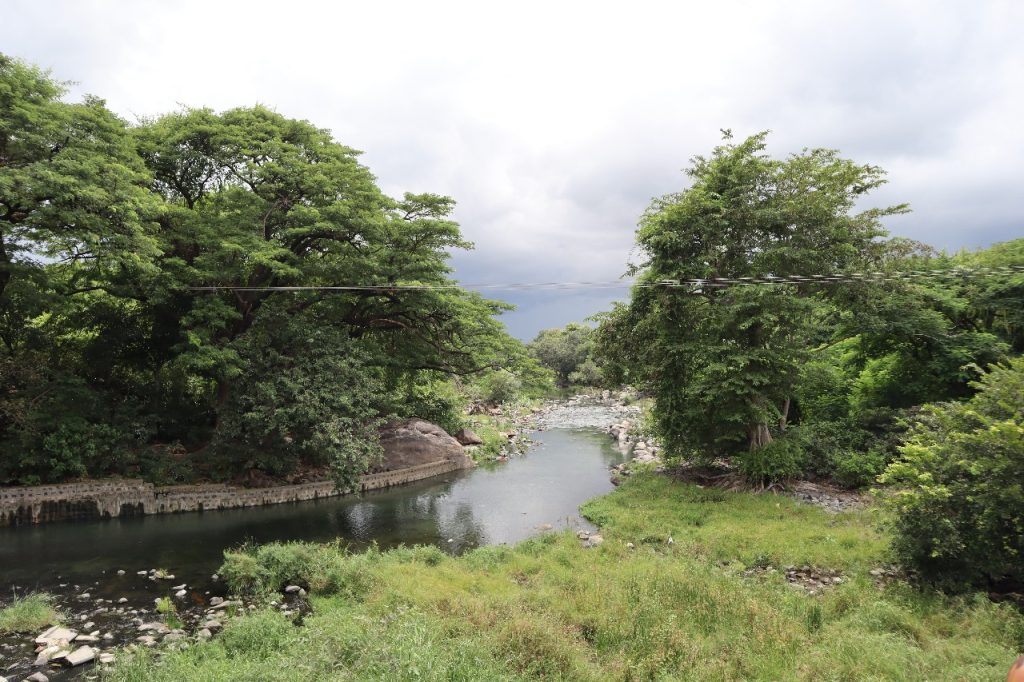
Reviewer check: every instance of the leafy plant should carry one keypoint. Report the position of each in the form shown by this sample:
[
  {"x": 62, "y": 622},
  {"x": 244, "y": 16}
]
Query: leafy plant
[{"x": 958, "y": 501}]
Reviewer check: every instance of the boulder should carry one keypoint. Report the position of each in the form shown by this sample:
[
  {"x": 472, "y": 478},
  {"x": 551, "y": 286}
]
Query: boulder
[
  {"x": 468, "y": 437},
  {"x": 413, "y": 442}
]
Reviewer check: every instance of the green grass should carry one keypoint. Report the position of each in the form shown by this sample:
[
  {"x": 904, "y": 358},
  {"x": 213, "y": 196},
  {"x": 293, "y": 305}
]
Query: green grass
[
  {"x": 28, "y": 614},
  {"x": 548, "y": 608}
]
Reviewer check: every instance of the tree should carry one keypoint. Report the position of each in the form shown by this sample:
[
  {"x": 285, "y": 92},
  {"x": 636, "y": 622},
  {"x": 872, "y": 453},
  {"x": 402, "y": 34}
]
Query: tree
[
  {"x": 143, "y": 326},
  {"x": 723, "y": 361},
  {"x": 567, "y": 351}
]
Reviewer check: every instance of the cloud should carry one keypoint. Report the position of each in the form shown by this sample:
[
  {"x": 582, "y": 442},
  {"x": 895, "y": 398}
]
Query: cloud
[{"x": 555, "y": 124}]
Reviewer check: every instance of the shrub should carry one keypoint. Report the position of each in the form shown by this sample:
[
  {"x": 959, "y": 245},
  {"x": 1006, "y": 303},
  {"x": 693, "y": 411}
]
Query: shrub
[
  {"x": 501, "y": 386},
  {"x": 779, "y": 460},
  {"x": 856, "y": 469},
  {"x": 959, "y": 503}
]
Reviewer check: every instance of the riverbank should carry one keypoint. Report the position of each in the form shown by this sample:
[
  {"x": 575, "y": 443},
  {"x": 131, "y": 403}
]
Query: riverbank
[
  {"x": 492, "y": 503},
  {"x": 689, "y": 582}
]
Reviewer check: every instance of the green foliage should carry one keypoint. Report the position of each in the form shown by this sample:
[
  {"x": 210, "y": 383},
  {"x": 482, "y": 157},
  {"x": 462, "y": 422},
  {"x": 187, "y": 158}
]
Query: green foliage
[
  {"x": 959, "y": 500},
  {"x": 30, "y": 613},
  {"x": 857, "y": 469},
  {"x": 779, "y": 460},
  {"x": 724, "y": 363},
  {"x": 500, "y": 386},
  {"x": 112, "y": 362},
  {"x": 569, "y": 352},
  {"x": 551, "y": 609}
]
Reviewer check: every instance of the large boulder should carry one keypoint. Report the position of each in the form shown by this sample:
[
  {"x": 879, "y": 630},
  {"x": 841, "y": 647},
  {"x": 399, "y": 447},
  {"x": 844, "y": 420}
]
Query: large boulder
[{"x": 412, "y": 442}]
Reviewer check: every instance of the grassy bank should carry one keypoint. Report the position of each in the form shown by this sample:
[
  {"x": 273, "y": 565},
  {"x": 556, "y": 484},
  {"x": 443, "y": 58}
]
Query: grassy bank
[{"x": 551, "y": 608}]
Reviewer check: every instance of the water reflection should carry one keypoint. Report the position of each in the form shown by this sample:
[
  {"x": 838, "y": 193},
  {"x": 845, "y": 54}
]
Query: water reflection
[{"x": 487, "y": 505}]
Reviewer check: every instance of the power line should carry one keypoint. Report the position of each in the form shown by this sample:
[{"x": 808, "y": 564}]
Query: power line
[{"x": 693, "y": 284}]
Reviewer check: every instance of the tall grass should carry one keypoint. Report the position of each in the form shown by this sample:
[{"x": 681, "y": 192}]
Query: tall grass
[
  {"x": 28, "y": 614},
  {"x": 551, "y": 609}
]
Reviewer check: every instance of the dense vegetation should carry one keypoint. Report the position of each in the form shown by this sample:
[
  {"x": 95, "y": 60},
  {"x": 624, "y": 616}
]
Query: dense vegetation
[
  {"x": 568, "y": 352},
  {"x": 116, "y": 360},
  {"x": 703, "y": 608}
]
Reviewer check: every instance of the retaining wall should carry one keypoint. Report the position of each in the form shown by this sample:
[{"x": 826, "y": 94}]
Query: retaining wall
[{"x": 129, "y": 497}]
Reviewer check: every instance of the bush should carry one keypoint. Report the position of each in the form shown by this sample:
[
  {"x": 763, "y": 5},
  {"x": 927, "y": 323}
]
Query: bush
[
  {"x": 959, "y": 503},
  {"x": 857, "y": 469},
  {"x": 501, "y": 386},
  {"x": 779, "y": 460}
]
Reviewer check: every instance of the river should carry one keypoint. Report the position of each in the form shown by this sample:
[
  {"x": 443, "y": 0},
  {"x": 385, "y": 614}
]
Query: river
[{"x": 489, "y": 504}]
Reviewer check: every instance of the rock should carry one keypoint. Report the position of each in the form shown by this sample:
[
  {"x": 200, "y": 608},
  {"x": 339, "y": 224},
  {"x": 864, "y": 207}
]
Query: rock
[
  {"x": 181, "y": 594},
  {"x": 147, "y": 640},
  {"x": 179, "y": 587},
  {"x": 141, "y": 572},
  {"x": 122, "y": 600},
  {"x": 876, "y": 572},
  {"x": 37, "y": 677},
  {"x": 582, "y": 535},
  {"x": 212, "y": 625},
  {"x": 214, "y": 577},
  {"x": 302, "y": 593},
  {"x": 120, "y": 572},
  {"x": 85, "y": 595},
  {"x": 55, "y": 635},
  {"x": 593, "y": 541},
  {"x": 630, "y": 545},
  {"x": 89, "y": 626},
  {"x": 86, "y": 639},
  {"x": 412, "y": 442},
  {"x": 158, "y": 628},
  {"x": 106, "y": 658},
  {"x": 215, "y": 601},
  {"x": 468, "y": 437},
  {"x": 80, "y": 656},
  {"x": 44, "y": 656},
  {"x": 226, "y": 604},
  {"x": 204, "y": 634},
  {"x": 292, "y": 589}
]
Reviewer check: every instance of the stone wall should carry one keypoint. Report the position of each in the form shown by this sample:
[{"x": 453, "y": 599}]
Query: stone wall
[{"x": 129, "y": 497}]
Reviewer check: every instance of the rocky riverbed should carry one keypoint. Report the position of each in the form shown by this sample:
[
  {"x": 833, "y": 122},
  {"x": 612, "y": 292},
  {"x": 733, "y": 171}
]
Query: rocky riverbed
[{"x": 124, "y": 609}]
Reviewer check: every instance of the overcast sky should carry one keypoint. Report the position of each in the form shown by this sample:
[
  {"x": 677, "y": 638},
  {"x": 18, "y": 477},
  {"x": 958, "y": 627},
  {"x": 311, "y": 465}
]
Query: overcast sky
[{"x": 554, "y": 123}]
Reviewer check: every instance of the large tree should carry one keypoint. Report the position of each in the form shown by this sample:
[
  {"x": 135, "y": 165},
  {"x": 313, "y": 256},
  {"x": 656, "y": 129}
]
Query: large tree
[
  {"x": 723, "y": 361},
  {"x": 142, "y": 315}
]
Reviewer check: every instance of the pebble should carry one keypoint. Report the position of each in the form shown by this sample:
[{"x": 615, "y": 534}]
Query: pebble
[
  {"x": 122, "y": 600},
  {"x": 292, "y": 589},
  {"x": 180, "y": 594}
]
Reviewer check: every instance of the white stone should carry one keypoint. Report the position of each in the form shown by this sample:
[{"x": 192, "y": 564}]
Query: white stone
[
  {"x": 44, "y": 656},
  {"x": 37, "y": 677},
  {"x": 179, "y": 587},
  {"x": 204, "y": 634},
  {"x": 120, "y": 572},
  {"x": 54, "y": 635},
  {"x": 180, "y": 594},
  {"x": 79, "y": 656},
  {"x": 106, "y": 657},
  {"x": 292, "y": 589}
]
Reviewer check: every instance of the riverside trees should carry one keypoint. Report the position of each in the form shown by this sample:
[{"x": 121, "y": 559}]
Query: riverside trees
[
  {"x": 116, "y": 359},
  {"x": 798, "y": 379}
]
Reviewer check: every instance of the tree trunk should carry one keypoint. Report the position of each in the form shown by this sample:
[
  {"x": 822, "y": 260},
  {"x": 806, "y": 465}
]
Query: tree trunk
[
  {"x": 759, "y": 436},
  {"x": 784, "y": 417}
]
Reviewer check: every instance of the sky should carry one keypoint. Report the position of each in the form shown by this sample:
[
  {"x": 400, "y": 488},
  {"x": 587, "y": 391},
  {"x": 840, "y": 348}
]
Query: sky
[{"x": 554, "y": 124}]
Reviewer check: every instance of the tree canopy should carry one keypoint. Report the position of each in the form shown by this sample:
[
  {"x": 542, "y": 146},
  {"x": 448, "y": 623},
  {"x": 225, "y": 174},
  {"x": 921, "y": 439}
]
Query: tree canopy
[{"x": 142, "y": 331}]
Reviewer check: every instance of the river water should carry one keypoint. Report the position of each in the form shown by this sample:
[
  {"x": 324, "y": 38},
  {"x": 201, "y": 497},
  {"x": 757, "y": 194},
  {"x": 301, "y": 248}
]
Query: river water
[{"x": 489, "y": 504}]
